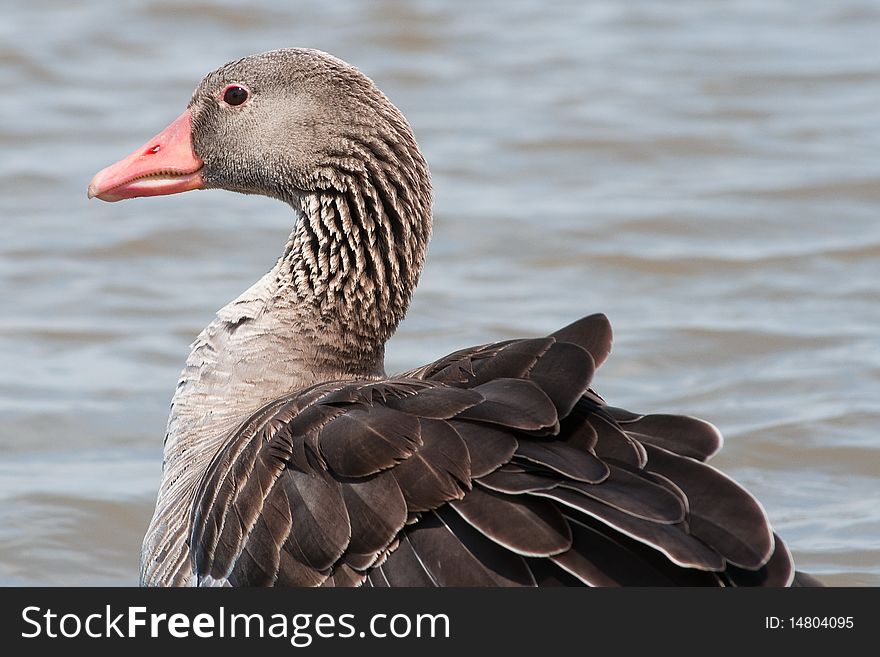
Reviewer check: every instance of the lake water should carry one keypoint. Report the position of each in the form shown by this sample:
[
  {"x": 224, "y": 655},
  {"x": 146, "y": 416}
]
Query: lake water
[{"x": 706, "y": 175}]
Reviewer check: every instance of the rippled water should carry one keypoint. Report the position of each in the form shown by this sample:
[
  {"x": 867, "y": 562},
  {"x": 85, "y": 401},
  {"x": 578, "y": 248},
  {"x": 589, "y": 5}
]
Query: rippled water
[{"x": 708, "y": 177}]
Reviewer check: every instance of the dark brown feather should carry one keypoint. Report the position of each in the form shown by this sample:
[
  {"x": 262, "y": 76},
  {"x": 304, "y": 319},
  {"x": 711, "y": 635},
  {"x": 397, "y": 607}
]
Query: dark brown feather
[
  {"x": 404, "y": 567},
  {"x": 524, "y": 525},
  {"x": 321, "y": 529},
  {"x": 488, "y": 446},
  {"x": 514, "y": 403},
  {"x": 614, "y": 445},
  {"x": 457, "y": 555},
  {"x": 377, "y": 510},
  {"x": 344, "y": 575},
  {"x": 364, "y": 441},
  {"x": 672, "y": 540},
  {"x": 436, "y": 473},
  {"x": 721, "y": 512},
  {"x": 686, "y": 436},
  {"x": 633, "y": 494},
  {"x": 564, "y": 373},
  {"x": 514, "y": 360},
  {"x": 437, "y": 402},
  {"x": 564, "y": 459},
  {"x": 592, "y": 333},
  {"x": 515, "y": 479},
  {"x": 778, "y": 571},
  {"x": 599, "y": 556}
]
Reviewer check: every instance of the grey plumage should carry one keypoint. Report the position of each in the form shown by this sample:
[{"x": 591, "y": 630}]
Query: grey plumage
[{"x": 292, "y": 459}]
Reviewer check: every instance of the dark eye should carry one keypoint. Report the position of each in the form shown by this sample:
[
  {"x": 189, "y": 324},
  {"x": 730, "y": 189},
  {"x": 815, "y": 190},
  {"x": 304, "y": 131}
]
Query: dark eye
[{"x": 235, "y": 95}]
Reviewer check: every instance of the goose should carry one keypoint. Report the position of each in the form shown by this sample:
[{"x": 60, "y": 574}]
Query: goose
[{"x": 292, "y": 459}]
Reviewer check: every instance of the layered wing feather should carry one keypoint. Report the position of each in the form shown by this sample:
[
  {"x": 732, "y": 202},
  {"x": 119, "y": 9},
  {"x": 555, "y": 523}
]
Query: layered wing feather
[{"x": 494, "y": 466}]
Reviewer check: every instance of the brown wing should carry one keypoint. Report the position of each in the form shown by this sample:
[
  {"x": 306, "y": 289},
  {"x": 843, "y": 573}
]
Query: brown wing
[{"x": 494, "y": 466}]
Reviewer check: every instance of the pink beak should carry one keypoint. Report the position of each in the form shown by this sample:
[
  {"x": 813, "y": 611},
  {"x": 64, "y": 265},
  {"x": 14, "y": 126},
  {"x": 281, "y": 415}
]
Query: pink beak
[{"x": 167, "y": 164}]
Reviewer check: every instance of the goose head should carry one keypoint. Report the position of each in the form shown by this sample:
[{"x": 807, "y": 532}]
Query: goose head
[{"x": 282, "y": 124}]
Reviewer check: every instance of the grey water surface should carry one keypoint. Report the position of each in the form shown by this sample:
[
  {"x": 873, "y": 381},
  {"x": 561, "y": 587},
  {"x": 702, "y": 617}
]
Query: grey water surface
[{"x": 707, "y": 174}]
